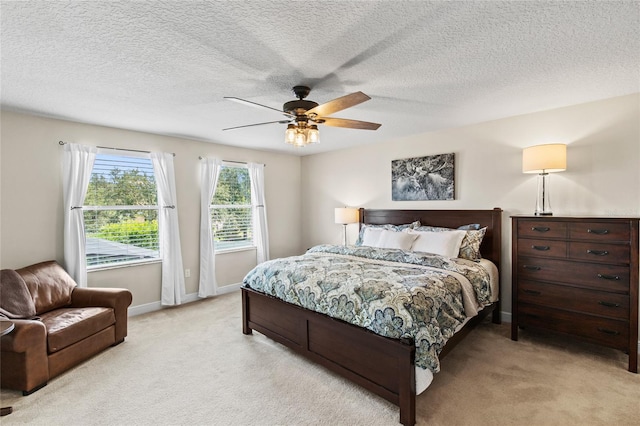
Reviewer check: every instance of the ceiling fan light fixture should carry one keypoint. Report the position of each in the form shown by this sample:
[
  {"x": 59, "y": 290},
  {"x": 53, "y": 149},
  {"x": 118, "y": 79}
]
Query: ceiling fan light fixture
[
  {"x": 290, "y": 134},
  {"x": 301, "y": 138},
  {"x": 313, "y": 134},
  {"x": 300, "y": 134}
]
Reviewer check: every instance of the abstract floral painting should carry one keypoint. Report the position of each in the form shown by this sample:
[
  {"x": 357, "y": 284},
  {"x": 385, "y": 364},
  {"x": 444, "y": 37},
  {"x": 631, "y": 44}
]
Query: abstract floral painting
[{"x": 423, "y": 178}]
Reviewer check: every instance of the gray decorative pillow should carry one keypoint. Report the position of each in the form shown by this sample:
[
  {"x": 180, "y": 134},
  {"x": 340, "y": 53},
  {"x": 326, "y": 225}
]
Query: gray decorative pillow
[
  {"x": 470, "y": 226},
  {"x": 470, "y": 246}
]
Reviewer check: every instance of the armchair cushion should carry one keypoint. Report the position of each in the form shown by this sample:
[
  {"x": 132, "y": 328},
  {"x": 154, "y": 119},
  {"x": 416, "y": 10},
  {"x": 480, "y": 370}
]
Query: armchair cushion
[
  {"x": 49, "y": 284},
  {"x": 16, "y": 301},
  {"x": 66, "y": 326}
]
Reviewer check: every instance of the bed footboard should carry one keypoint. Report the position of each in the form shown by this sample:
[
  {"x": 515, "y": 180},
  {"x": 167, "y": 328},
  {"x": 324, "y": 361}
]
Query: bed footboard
[{"x": 381, "y": 365}]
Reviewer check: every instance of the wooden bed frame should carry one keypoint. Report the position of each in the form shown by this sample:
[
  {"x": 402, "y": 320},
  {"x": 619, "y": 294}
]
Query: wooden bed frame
[{"x": 380, "y": 364}]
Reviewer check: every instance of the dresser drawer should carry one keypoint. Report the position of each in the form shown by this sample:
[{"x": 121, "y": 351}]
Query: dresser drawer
[
  {"x": 609, "y": 332},
  {"x": 599, "y": 231},
  {"x": 594, "y": 252},
  {"x": 542, "y": 229},
  {"x": 612, "y": 305},
  {"x": 543, "y": 248},
  {"x": 588, "y": 275}
]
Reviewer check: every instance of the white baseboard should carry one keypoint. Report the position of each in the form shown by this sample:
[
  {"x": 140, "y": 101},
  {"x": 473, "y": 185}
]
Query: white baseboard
[
  {"x": 229, "y": 288},
  {"x": 192, "y": 297}
]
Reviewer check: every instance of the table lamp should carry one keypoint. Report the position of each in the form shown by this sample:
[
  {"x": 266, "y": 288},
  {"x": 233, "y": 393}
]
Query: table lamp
[
  {"x": 544, "y": 159},
  {"x": 345, "y": 216}
]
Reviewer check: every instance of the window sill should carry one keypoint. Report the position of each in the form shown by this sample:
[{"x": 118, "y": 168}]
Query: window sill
[
  {"x": 235, "y": 250},
  {"x": 121, "y": 265}
]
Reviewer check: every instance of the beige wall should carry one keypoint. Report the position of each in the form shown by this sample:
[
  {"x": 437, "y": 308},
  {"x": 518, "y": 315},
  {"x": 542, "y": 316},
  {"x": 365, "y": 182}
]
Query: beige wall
[
  {"x": 31, "y": 217},
  {"x": 602, "y": 177}
]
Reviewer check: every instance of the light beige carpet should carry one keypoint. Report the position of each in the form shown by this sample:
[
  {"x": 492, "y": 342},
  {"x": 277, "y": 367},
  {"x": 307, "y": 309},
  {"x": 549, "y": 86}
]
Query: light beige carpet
[{"x": 192, "y": 365}]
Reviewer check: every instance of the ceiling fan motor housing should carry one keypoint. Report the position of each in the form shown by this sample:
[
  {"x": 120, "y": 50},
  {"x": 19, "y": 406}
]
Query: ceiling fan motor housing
[{"x": 298, "y": 107}]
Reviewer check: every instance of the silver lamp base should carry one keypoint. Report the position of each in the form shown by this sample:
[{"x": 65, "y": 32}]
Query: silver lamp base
[
  {"x": 344, "y": 234},
  {"x": 543, "y": 203}
]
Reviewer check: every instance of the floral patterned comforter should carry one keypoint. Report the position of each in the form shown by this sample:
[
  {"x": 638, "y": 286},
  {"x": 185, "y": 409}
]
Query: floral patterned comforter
[{"x": 394, "y": 293}]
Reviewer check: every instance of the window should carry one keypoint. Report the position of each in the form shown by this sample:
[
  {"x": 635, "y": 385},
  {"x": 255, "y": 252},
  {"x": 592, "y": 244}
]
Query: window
[
  {"x": 121, "y": 211},
  {"x": 231, "y": 209}
]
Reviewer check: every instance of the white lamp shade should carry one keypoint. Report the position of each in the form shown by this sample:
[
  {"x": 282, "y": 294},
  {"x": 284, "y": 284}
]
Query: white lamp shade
[
  {"x": 544, "y": 158},
  {"x": 346, "y": 215}
]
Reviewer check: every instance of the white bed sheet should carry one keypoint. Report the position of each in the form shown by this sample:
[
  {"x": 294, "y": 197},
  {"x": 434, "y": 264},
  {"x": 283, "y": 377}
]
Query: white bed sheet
[{"x": 424, "y": 377}]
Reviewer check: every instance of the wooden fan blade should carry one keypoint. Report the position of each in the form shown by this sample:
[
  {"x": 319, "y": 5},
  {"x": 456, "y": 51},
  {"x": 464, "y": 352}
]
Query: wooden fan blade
[
  {"x": 259, "y": 124},
  {"x": 351, "y": 124},
  {"x": 255, "y": 104},
  {"x": 339, "y": 104}
]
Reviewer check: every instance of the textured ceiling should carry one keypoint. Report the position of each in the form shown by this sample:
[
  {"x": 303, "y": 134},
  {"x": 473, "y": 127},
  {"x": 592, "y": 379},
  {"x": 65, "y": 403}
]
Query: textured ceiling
[{"x": 164, "y": 66}]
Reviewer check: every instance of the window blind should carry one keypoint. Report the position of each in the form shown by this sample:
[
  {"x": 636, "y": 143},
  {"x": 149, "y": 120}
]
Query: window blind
[{"x": 121, "y": 211}]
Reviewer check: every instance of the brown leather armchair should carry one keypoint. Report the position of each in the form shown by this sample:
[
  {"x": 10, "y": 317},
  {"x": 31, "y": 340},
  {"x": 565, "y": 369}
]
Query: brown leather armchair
[{"x": 71, "y": 325}]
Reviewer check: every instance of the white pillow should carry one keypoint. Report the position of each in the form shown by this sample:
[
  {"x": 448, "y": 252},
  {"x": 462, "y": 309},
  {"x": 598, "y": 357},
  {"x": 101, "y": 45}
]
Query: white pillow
[
  {"x": 371, "y": 236},
  {"x": 396, "y": 240},
  {"x": 445, "y": 243}
]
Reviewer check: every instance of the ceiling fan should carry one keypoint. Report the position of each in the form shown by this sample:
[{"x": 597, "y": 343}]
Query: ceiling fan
[{"x": 304, "y": 115}]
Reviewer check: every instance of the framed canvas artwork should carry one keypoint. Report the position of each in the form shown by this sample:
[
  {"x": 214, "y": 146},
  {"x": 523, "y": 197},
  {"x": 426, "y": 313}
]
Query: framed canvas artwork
[{"x": 423, "y": 178}]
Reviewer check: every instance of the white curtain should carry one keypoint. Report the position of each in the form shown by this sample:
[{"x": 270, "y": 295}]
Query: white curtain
[
  {"x": 260, "y": 232},
  {"x": 168, "y": 233},
  {"x": 77, "y": 163},
  {"x": 209, "y": 173}
]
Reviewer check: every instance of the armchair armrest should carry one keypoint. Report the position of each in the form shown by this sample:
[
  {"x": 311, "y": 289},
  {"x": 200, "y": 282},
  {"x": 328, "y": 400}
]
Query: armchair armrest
[
  {"x": 23, "y": 363},
  {"x": 118, "y": 299},
  {"x": 27, "y": 334}
]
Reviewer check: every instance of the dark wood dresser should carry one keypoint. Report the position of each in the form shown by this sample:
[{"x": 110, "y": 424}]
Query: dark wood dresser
[{"x": 577, "y": 276}]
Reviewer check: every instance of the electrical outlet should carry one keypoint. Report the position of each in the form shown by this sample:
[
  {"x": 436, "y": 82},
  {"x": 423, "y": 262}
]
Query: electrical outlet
[{"x": 187, "y": 273}]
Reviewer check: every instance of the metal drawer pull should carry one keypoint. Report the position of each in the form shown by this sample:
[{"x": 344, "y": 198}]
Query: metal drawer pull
[
  {"x": 541, "y": 248},
  {"x": 534, "y": 268},
  {"x": 541, "y": 228},
  {"x": 607, "y": 331},
  {"x": 609, "y": 277},
  {"x": 598, "y": 231},
  {"x": 598, "y": 252},
  {"x": 531, "y": 291},
  {"x": 608, "y": 304}
]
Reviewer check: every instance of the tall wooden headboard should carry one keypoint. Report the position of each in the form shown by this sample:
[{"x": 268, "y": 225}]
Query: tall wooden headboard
[{"x": 492, "y": 219}]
